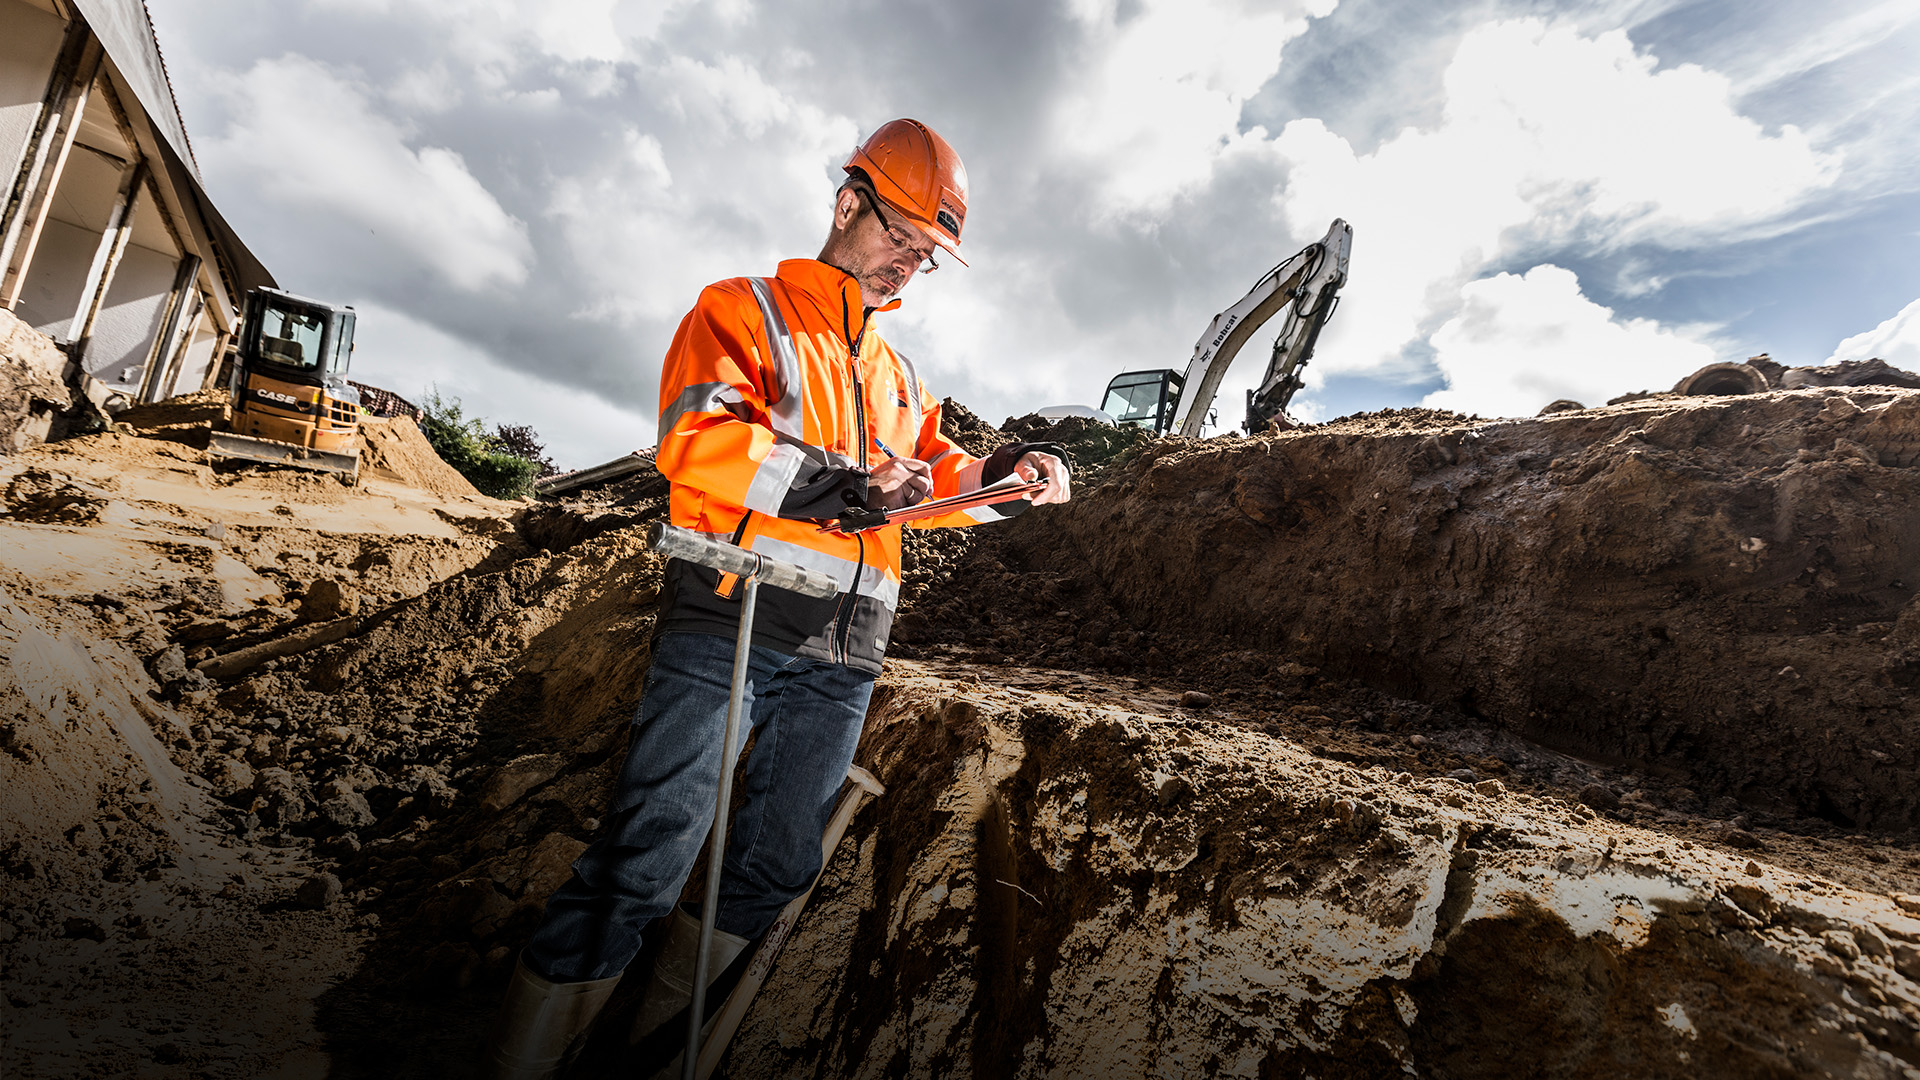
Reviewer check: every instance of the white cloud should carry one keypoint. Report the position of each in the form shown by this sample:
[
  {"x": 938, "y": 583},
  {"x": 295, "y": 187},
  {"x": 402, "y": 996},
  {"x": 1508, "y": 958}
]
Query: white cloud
[
  {"x": 397, "y": 352},
  {"x": 1897, "y": 341},
  {"x": 424, "y": 91},
  {"x": 1599, "y": 132},
  {"x": 1831, "y": 37},
  {"x": 1157, "y": 95},
  {"x": 311, "y": 143},
  {"x": 1520, "y": 342},
  {"x": 735, "y": 177},
  {"x": 491, "y": 33},
  {"x": 579, "y": 29},
  {"x": 1550, "y": 139}
]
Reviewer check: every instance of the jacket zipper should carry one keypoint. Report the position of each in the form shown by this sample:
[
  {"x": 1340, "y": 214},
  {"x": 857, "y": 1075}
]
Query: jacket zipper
[{"x": 852, "y": 600}]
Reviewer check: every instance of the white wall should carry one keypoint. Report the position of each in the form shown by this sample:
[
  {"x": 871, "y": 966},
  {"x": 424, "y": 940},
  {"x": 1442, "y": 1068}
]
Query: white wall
[
  {"x": 28, "y": 50},
  {"x": 82, "y": 205},
  {"x": 193, "y": 370},
  {"x": 54, "y": 281},
  {"x": 136, "y": 304}
]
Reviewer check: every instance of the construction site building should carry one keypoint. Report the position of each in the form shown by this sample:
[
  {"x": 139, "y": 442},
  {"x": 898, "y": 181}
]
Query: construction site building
[{"x": 109, "y": 244}]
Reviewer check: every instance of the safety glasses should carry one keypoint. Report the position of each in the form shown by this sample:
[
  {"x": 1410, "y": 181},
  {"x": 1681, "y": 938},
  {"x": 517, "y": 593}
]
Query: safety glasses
[{"x": 899, "y": 237}]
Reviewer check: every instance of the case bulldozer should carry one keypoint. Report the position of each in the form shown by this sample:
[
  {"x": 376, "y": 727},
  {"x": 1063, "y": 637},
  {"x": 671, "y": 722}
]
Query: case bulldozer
[{"x": 292, "y": 404}]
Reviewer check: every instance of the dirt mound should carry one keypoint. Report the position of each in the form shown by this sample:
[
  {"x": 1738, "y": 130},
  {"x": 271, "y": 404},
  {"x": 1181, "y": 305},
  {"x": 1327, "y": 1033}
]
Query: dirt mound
[
  {"x": 33, "y": 387},
  {"x": 1720, "y": 590},
  {"x": 1874, "y": 372},
  {"x": 196, "y": 410},
  {"x": 392, "y": 449},
  {"x": 395, "y": 449},
  {"x": 131, "y": 909},
  {"x": 1384, "y": 421}
]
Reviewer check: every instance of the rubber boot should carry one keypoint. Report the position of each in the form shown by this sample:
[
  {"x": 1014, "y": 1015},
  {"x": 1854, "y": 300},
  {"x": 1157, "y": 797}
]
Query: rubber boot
[
  {"x": 670, "y": 992},
  {"x": 542, "y": 1025}
]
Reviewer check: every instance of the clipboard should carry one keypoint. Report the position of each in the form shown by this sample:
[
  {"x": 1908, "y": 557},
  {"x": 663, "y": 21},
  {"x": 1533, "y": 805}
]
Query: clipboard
[{"x": 1006, "y": 489}]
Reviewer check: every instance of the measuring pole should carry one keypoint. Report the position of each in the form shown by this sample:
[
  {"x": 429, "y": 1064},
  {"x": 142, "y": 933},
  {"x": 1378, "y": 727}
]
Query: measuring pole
[{"x": 751, "y": 568}]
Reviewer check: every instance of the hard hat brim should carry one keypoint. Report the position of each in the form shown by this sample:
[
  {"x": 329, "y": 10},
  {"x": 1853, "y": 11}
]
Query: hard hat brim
[{"x": 932, "y": 232}]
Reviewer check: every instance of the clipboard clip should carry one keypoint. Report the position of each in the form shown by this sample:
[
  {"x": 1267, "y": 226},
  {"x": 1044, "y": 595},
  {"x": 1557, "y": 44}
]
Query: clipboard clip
[{"x": 857, "y": 519}]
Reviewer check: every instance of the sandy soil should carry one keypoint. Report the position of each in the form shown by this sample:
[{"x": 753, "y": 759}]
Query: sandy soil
[{"x": 146, "y": 910}]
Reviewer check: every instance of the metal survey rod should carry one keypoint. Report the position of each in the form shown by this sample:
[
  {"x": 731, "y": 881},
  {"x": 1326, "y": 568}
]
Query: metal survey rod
[
  {"x": 678, "y": 543},
  {"x": 752, "y": 568},
  {"x": 861, "y": 786}
]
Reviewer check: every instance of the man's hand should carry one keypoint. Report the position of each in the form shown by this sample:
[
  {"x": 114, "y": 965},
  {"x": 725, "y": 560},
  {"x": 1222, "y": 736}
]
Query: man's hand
[
  {"x": 1038, "y": 466},
  {"x": 899, "y": 483}
]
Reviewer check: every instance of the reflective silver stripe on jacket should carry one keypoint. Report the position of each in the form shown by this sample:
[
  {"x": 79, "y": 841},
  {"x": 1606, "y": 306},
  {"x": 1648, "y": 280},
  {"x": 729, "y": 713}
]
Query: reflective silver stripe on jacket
[
  {"x": 911, "y": 392},
  {"x": 970, "y": 476},
  {"x": 773, "y": 479},
  {"x": 830, "y": 458},
  {"x": 701, "y": 397},
  {"x": 874, "y": 582},
  {"x": 789, "y": 405}
]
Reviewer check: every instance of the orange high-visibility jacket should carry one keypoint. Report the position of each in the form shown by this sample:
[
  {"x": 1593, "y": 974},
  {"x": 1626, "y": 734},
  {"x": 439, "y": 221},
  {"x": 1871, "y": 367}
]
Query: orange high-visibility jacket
[{"x": 776, "y": 398}]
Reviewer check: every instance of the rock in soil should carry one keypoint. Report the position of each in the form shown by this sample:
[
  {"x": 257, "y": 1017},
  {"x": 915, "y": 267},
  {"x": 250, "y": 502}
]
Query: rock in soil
[{"x": 317, "y": 892}]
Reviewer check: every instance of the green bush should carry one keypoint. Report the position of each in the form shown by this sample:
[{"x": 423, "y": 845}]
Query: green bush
[{"x": 485, "y": 460}]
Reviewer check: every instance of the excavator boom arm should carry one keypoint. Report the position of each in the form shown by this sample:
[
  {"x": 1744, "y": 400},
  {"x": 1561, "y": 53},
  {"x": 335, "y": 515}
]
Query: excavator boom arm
[{"x": 1308, "y": 282}]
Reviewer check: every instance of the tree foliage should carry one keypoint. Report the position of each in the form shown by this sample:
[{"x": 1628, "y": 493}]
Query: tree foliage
[
  {"x": 521, "y": 440},
  {"x": 499, "y": 467}
]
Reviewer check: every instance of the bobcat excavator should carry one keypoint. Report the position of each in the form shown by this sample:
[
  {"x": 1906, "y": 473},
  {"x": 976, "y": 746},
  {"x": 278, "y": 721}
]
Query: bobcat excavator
[
  {"x": 1307, "y": 285},
  {"x": 292, "y": 404}
]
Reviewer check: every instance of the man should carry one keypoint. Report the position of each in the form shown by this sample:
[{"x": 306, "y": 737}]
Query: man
[{"x": 780, "y": 406}]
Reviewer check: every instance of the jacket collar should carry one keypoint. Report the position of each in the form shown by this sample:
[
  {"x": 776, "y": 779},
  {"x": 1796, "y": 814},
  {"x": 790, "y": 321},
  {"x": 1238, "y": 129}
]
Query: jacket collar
[{"x": 832, "y": 288}]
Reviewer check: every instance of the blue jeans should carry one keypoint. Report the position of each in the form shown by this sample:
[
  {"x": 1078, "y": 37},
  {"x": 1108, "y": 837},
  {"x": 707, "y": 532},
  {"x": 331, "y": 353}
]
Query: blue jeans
[{"x": 806, "y": 717}]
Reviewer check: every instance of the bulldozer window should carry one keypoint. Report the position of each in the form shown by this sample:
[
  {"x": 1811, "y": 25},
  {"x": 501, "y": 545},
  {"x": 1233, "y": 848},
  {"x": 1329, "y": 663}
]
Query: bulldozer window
[{"x": 291, "y": 338}]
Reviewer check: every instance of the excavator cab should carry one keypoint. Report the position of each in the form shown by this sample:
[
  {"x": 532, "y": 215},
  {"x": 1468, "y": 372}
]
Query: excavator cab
[
  {"x": 292, "y": 404},
  {"x": 1144, "y": 399}
]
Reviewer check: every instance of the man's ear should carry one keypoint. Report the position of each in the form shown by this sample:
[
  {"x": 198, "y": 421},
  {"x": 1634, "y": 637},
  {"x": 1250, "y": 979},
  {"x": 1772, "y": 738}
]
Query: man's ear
[{"x": 846, "y": 207}]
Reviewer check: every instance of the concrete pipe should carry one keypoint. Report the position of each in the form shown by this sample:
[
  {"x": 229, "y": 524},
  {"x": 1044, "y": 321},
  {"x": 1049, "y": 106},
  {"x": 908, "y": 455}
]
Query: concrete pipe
[{"x": 1723, "y": 380}]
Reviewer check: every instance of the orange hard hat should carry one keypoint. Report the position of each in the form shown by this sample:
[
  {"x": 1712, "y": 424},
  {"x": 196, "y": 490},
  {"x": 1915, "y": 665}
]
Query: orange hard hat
[{"x": 915, "y": 172}]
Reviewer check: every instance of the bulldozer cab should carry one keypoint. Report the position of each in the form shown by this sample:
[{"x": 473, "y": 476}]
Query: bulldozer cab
[
  {"x": 295, "y": 339},
  {"x": 292, "y": 403},
  {"x": 1145, "y": 399}
]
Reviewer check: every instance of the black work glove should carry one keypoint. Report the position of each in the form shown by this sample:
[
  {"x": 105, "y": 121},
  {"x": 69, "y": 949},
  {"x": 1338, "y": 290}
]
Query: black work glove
[{"x": 1001, "y": 461}]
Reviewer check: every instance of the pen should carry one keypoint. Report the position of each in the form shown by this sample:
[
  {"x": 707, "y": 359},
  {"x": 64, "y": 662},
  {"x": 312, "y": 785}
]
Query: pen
[{"x": 912, "y": 497}]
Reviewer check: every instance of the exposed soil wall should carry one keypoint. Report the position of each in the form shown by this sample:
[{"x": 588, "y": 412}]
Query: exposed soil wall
[
  {"x": 1718, "y": 589},
  {"x": 1056, "y": 889}
]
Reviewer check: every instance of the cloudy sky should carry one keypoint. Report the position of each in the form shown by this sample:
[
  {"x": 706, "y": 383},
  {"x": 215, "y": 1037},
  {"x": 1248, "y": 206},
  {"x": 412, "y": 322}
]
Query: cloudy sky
[{"x": 1549, "y": 199}]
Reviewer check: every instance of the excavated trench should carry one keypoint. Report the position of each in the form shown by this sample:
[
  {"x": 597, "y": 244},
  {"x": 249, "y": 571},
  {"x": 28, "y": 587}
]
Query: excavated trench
[{"x": 1405, "y": 745}]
